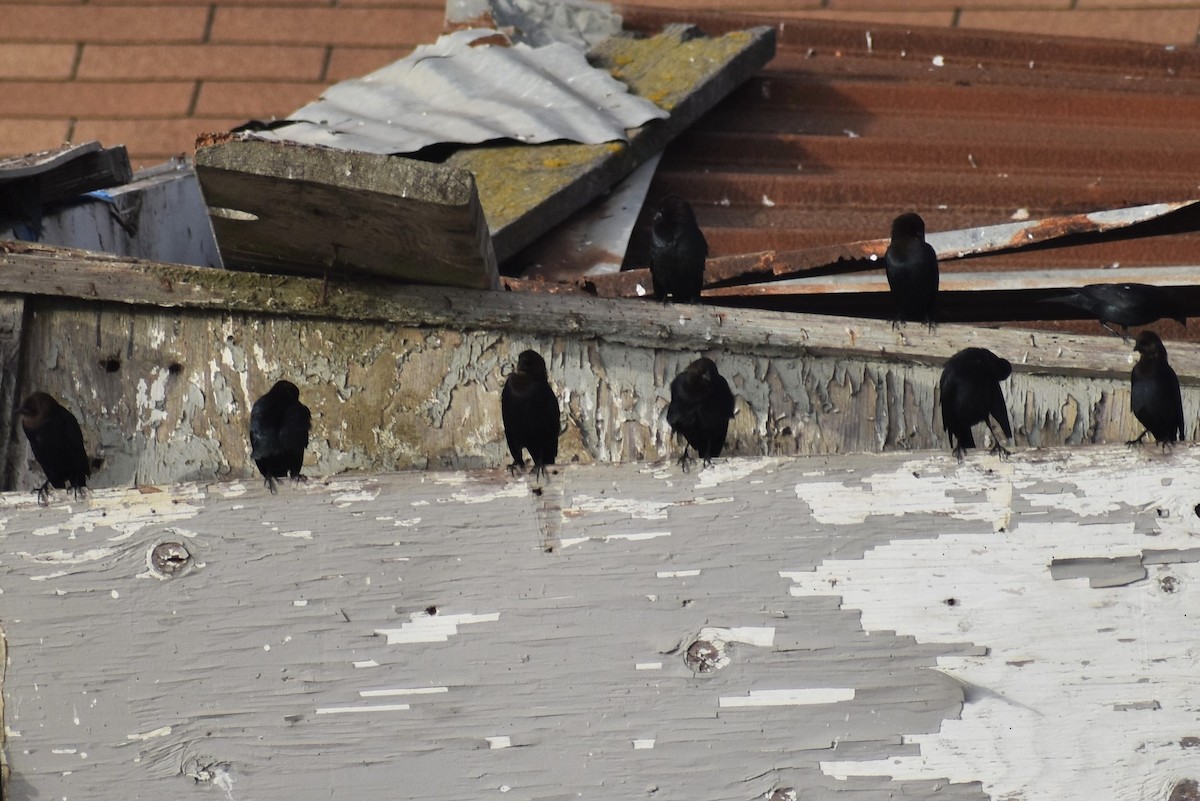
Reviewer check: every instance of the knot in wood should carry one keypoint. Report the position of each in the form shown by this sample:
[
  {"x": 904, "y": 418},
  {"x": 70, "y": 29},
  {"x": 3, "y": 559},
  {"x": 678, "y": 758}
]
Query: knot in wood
[
  {"x": 783, "y": 794},
  {"x": 169, "y": 559}
]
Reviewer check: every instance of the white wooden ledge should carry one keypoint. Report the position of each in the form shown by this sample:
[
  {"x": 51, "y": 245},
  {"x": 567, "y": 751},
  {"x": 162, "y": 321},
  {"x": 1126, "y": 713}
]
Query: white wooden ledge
[{"x": 868, "y": 626}]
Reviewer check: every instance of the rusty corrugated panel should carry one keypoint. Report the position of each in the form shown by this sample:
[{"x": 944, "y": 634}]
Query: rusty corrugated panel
[{"x": 853, "y": 123}]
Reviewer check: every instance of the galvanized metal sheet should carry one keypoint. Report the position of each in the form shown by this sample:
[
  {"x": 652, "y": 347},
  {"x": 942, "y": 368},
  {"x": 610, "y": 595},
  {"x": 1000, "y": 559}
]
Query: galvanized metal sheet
[{"x": 460, "y": 89}]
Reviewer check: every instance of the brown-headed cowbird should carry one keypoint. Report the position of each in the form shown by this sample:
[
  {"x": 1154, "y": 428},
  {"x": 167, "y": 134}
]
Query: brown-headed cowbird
[
  {"x": 529, "y": 409},
  {"x": 279, "y": 426},
  {"x": 970, "y": 393},
  {"x": 912, "y": 271},
  {"x": 677, "y": 252},
  {"x": 57, "y": 444},
  {"x": 1154, "y": 393},
  {"x": 700, "y": 409},
  {"x": 1124, "y": 304}
]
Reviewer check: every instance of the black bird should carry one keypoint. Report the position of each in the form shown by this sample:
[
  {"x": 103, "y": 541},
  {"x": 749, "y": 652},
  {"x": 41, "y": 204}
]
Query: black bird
[
  {"x": 700, "y": 409},
  {"x": 1154, "y": 392},
  {"x": 970, "y": 391},
  {"x": 279, "y": 426},
  {"x": 912, "y": 270},
  {"x": 529, "y": 409},
  {"x": 677, "y": 252},
  {"x": 56, "y": 442},
  {"x": 1123, "y": 304}
]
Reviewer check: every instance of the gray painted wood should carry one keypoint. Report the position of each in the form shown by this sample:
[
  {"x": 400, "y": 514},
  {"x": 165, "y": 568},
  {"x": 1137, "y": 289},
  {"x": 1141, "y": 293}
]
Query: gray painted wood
[{"x": 455, "y": 635}]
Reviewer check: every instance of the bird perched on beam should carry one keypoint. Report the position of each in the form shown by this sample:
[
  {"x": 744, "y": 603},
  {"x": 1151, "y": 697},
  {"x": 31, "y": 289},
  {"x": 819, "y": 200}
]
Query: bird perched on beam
[
  {"x": 677, "y": 252},
  {"x": 1154, "y": 393},
  {"x": 970, "y": 394},
  {"x": 57, "y": 443},
  {"x": 279, "y": 427},
  {"x": 912, "y": 271},
  {"x": 700, "y": 409},
  {"x": 1124, "y": 304},
  {"x": 529, "y": 409}
]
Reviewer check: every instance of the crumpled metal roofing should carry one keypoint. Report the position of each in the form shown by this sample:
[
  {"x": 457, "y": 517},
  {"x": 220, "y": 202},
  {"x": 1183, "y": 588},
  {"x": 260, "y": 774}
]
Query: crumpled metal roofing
[{"x": 460, "y": 89}]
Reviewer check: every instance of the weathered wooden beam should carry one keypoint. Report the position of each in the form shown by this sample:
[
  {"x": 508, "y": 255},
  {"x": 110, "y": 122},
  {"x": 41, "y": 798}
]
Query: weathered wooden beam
[
  {"x": 161, "y": 364},
  {"x": 281, "y": 206},
  {"x": 528, "y": 190},
  {"x": 867, "y": 627}
]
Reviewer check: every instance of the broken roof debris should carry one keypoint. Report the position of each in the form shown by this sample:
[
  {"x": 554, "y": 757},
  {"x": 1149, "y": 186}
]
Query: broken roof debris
[{"x": 465, "y": 88}]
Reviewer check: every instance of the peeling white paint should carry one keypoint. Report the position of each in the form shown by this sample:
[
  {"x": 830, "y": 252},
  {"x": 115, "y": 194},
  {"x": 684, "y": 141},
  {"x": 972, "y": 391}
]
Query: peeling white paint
[
  {"x": 514, "y": 490},
  {"x": 643, "y": 744},
  {"x": 648, "y": 666},
  {"x": 433, "y": 628},
  {"x": 804, "y": 697},
  {"x": 365, "y": 663},
  {"x": 760, "y": 636},
  {"x": 495, "y": 743},
  {"x": 68, "y": 558},
  {"x": 676, "y": 573},
  {"x": 341, "y": 710},
  {"x": 726, "y": 470},
  {"x": 645, "y": 535},
  {"x": 302, "y": 534},
  {"x": 403, "y": 691},
  {"x": 161, "y": 731},
  {"x": 641, "y": 509}
]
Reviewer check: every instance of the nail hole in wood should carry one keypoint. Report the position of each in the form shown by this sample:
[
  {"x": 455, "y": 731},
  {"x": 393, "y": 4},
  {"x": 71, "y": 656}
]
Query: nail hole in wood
[
  {"x": 169, "y": 559},
  {"x": 175, "y": 368},
  {"x": 111, "y": 365}
]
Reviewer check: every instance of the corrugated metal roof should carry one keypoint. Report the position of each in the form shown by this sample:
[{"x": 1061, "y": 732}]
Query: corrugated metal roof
[
  {"x": 471, "y": 86},
  {"x": 854, "y": 123}
]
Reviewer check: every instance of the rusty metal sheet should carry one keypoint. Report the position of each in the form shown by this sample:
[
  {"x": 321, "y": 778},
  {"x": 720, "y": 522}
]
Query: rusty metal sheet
[{"x": 950, "y": 245}]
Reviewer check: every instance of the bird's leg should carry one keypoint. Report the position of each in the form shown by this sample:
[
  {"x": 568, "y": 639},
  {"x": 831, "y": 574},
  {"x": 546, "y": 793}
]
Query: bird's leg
[
  {"x": 897, "y": 323},
  {"x": 80, "y": 491},
  {"x": 518, "y": 464},
  {"x": 931, "y": 324},
  {"x": 539, "y": 470},
  {"x": 707, "y": 462},
  {"x": 685, "y": 460},
  {"x": 43, "y": 494},
  {"x": 1124, "y": 337},
  {"x": 270, "y": 483},
  {"x": 959, "y": 452},
  {"x": 298, "y": 478},
  {"x": 1133, "y": 443},
  {"x": 997, "y": 449}
]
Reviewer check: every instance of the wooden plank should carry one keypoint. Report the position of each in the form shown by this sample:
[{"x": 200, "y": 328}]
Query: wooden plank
[
  {"x": 526, "y": 190},
  {"x": 12, "y": 326},
  {"x": 863, "y": 627},
  {"x": 284, "y": 207},
  {"x": 162, "y": 364}
]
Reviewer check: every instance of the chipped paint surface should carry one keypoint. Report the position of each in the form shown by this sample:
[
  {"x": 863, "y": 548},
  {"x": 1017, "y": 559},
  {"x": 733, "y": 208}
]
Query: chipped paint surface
[
  {"x": 893, "y": 625},
  {"x": 176, "y": 404}
]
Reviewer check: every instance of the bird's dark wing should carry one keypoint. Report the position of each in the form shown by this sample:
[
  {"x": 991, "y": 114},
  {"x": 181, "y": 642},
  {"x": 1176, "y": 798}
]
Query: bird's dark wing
[
  {"x": 264, "y": 438},
  {"x": 948, "y": 390},
  {"x": 293, "y": 436},
  {"x": 1178, "y": 397},
  {"x": 514, "y": 411}
]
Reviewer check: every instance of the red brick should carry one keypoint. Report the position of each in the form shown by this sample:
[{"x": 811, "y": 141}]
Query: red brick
[
  {"x": 1150, "y": 5},
  {"x": 260, "y": 101},
  {"x": 18, "y": 137},
  {"x": 932, "y": 18},
  {"x": 103, "y": 23},
  {"x": 77, "y": 99},
  {"x": 949, "y": 5},
  {"x": 1161, "y": 27},
  {"x": 355, "y": 26},
  {"x": 151, "y": 139},
  {"x": 354, "y": 62},
  {"x": 161, "y": 62},
  {"x": 36, "y": 61}
]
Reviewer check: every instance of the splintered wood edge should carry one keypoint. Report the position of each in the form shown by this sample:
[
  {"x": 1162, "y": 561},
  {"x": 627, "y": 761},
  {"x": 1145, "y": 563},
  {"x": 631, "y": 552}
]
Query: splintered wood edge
[{"x": 33, "y": 270}]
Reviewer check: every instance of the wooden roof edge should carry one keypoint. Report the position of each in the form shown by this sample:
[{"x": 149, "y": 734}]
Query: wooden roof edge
[{"x": 41, "y": 271}]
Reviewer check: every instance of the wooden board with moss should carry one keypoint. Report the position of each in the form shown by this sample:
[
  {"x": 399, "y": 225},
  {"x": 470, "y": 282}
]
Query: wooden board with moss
[
  {"x": 162, "y": 363},
  {"x": 286, "y": 207},
  {"x": 526, "y": 190}
]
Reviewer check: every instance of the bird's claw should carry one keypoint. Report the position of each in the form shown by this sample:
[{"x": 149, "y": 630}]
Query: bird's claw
[
  {"x": 43, "y": 494},
  {"x": 270, "y": 483},
  {"x": 960, "y": 452},
  {"x": 999, "y": 450},
  {"x": 515, "y": 467},
  {"x": 685, "y": 462},
  {"x": 539, "y": 471},
  {"x": 299, "y": 478}
]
